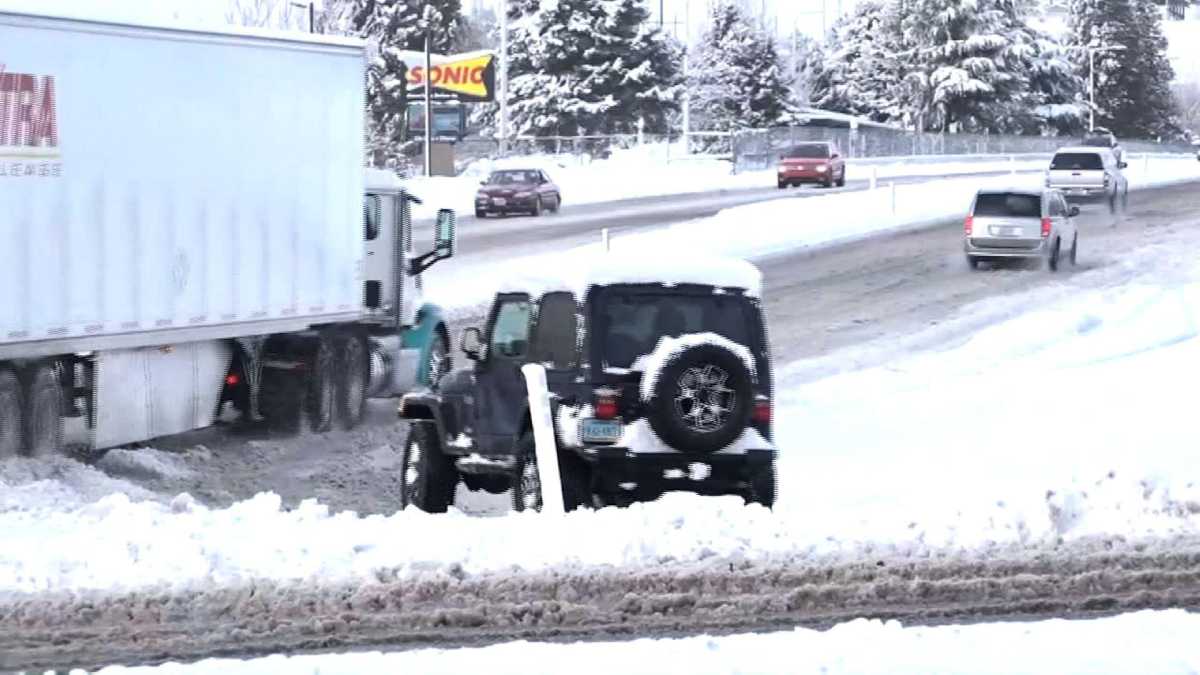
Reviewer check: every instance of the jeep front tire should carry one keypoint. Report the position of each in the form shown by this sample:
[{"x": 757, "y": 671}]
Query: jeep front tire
[{"x": 428, "y": 478}]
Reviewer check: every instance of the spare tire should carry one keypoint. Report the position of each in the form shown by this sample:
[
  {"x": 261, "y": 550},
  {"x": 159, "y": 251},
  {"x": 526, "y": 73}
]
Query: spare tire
[{"x": 702, "y": 399}]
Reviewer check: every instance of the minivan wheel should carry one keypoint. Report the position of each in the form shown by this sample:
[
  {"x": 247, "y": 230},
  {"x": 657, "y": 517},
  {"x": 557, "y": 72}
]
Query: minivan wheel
[
  {"x": 1074, "y": 249},
  {"x": 1052, "y": 261},
  {"x": 973, "y": 262}
]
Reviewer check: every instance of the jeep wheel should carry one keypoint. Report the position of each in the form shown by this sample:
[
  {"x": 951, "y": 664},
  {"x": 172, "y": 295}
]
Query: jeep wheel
[
  {"x": 428, "y": 477},
  {"x": 702, "y": 399},
  {"x": 527, "y": 484}
]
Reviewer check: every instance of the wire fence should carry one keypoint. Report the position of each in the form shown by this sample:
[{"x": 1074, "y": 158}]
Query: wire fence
[{"x": 758, "y": 149}]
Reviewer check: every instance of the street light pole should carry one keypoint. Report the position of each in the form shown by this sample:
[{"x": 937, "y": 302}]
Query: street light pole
[
  {"x": 428, "y": 102},
  {"x": 503, "y": 77}
]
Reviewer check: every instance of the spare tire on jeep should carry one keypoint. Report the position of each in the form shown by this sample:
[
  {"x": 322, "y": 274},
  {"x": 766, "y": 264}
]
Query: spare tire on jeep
[{"x": 701, "y": 399}]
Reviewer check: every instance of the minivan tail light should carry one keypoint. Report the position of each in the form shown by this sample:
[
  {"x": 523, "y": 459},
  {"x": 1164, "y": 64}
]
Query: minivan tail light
[
  {"x": 968, "y": 224},
  {"x": 604, "y": 406},
  {"x": 762, "y": 411},
  {"x": 1045, "y": 227}
]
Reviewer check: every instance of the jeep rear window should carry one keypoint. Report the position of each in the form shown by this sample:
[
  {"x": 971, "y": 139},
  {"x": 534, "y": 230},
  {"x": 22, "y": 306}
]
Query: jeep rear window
[
  {"x": 630, "y": 324},
  {"x": 1003, "y": 204},
  {"x": 1077, "y": 161}
]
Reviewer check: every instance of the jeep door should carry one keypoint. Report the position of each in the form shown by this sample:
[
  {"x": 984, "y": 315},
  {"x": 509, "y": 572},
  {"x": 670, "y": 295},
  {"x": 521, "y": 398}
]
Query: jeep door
[{"x": 500, "y": 397}]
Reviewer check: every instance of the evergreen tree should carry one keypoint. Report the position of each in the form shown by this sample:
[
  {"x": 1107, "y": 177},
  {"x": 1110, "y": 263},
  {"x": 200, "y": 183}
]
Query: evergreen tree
[
  {"x": 858, "y": 72},
  {"x": 579, "y": 67},
  {"x": 391, "y": 27},
  {"x": 738, "y": 79},
  {"x": 1133, "y": 87}
]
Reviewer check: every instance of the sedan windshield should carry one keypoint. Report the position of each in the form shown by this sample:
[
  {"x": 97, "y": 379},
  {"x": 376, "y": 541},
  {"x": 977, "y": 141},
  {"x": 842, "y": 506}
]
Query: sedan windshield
[
  {"x": 512, "y": 177},
  {"x": 809, "y": 150}
]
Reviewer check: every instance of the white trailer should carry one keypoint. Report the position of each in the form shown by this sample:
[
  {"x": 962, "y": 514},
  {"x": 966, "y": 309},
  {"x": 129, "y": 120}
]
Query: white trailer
[{"x": 186, "y": 222}]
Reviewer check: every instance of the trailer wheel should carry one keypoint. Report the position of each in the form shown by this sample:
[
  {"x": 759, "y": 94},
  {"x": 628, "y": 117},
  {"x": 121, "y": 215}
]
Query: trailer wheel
[
  {"x": 322, "y": 389},
  {"x": 11, "y": 414},
  {"x": 44, "y": 413},
  {"x": 279, "y": 400},
  {"x": 352, "y": 381}
]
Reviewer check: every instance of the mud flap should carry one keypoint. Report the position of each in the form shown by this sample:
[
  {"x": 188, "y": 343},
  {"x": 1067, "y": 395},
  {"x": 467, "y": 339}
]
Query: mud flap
[{"x": 545, "y": 446}]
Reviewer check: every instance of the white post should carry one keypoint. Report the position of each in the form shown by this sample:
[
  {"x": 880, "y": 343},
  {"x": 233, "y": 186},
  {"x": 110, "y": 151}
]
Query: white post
[
  {"x": 1012, "y": 160},
  {"x": 1145, "y": 165},
  {"x": 893, "y": 186},
  {"x": 604, "y": 240},
  {"x": 503, "y": 93},
  {"x": 545, "y": 448},
  {"x": 641, "y": 132},
  {"x": 687, "y": 105},
  {"x": 428, "y": 103},
  {"x": 874, "y": 177}
]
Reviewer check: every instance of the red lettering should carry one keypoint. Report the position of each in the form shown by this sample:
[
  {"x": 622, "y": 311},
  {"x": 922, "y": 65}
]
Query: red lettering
[
  {"x": 45, "y": 130},
  {"x": 454, "y": 75},
  {"x": 415, "y": 75},
  {"x": 8, "y": 82},
  {"x": 477, "y": 75},
  {"x": 23, "y": 123}
]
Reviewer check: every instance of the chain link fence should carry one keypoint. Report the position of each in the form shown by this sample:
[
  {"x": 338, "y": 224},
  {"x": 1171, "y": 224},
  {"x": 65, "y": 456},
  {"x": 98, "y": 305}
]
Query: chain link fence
[{"x": 759, "y": 149}]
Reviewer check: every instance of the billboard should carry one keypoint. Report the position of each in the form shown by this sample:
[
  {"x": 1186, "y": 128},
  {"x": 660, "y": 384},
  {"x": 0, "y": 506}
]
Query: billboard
[{"x": 467, "y": 78}]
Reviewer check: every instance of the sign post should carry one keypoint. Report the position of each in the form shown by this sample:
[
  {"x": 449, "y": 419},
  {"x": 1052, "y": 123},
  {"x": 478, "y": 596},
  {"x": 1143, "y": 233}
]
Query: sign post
[{"x": 428, "y": 108}]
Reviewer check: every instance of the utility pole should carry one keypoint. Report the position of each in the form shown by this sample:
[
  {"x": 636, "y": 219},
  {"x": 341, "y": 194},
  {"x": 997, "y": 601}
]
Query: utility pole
[
  {"x": 428, "y": 100},
  {"x": 503, "y": 77}
]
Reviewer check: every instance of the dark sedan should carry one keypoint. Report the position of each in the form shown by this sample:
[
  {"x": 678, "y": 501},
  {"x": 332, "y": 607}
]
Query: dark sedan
[{"x": 517, "y": 191}]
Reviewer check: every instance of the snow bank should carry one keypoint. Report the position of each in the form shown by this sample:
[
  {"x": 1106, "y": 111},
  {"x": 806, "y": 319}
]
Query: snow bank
[
  {"x": 1138, "y": 642},
  {"x": 1072, "y": 422},
  {"x": 774, "y": 226}
]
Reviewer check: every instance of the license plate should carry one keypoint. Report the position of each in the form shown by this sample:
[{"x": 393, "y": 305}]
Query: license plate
[
  {"x": 500, "y": 201},
  {"x": 600, "y": 431},
  {"x": 1010, "y": 231},
  {"x": 1078, "y": 191}
]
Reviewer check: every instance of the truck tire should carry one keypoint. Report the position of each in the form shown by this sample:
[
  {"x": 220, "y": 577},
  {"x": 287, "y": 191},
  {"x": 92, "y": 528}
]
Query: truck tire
[
  {"x": 12, "y": 414},
  {"x": 44, "y": 412},
  {"x": 428, "y": 477},
  {"x": 321, "y": 395},
  {"x": 702, "y": 399},
  {"x": 352, "y": 380},
  {"x": 527, "y": 485}
]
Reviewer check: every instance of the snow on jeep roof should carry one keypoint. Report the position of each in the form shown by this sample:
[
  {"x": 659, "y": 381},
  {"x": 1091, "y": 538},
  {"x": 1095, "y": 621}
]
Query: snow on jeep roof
[{"x": 622, "y": 268}]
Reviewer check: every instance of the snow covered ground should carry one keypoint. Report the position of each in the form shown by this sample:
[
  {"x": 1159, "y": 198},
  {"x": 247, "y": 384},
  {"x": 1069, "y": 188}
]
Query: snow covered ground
[
  {"x": 777, "y": 225},
  {"x": 660, "y": 169},
  {"x": 1070, "y": 420},
  {"x": 1160, "y": 642}
]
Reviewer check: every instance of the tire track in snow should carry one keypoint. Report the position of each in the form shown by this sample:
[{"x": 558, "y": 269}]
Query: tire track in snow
[{"x": 447, "y": 607}]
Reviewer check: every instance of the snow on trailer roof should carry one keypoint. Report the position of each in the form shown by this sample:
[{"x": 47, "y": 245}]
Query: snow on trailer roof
[
  {"x": 121, "y": 16},
  {"x": 382, "y": 180},
  {"x": 606, "y": 269}
]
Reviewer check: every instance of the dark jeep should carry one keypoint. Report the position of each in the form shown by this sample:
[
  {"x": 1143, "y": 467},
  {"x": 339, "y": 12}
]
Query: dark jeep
[{"x": 655, "y": 385}]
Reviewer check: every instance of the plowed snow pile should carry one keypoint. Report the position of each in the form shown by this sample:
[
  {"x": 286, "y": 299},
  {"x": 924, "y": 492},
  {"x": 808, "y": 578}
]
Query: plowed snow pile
[
  {"x": 1142, "y": 642},
  {"x": 1072, "y": 420}
]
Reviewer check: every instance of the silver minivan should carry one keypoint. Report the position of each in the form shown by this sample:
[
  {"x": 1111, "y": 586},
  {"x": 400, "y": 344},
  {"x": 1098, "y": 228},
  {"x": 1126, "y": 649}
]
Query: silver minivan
[{"x": 1020, "y": 223}]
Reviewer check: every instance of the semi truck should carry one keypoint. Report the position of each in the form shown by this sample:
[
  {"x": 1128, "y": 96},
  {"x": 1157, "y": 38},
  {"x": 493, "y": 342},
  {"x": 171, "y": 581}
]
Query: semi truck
[{"x": 188, "y": 231}]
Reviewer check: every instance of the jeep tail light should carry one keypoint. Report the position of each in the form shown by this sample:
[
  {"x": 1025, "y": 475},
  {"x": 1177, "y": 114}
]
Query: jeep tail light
[
  {"x": 605, "y": 404},
  {"x": 762, "y": 411},
  {"x": 1045, "y": 227},
  {"x": 968, "y": 224}
]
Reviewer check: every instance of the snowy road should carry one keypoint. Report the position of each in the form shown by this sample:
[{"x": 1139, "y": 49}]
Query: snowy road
[
  {"x": 445, "y": 608},
  {"x": 1041, "y": 534}
]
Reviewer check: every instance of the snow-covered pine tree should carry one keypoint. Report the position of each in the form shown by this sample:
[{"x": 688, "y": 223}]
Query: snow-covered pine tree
[
  {"x": 1133, "y": 94},
  {"x": 737, "y": 78},
  {"x": 392, "y": 26},
  {"x": 1057, "y": 90},
  {"x": 857, "y": 71},
  {"x": 966, "y": 62},
  {"x": 589, "y": 67}
]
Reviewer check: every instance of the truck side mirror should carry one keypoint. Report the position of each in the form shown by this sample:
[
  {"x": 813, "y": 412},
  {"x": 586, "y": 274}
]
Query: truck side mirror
[
  {"x": 444, "y": 241},
  {"x": 1074, "y": 211},
  {"x": 472, "y": 343},
  {"x": 1122, "y": 165}
]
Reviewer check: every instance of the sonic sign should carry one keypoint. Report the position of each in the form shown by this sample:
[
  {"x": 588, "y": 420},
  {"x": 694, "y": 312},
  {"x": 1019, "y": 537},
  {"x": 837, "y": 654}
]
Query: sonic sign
[{"x": 468, "y": 78}]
